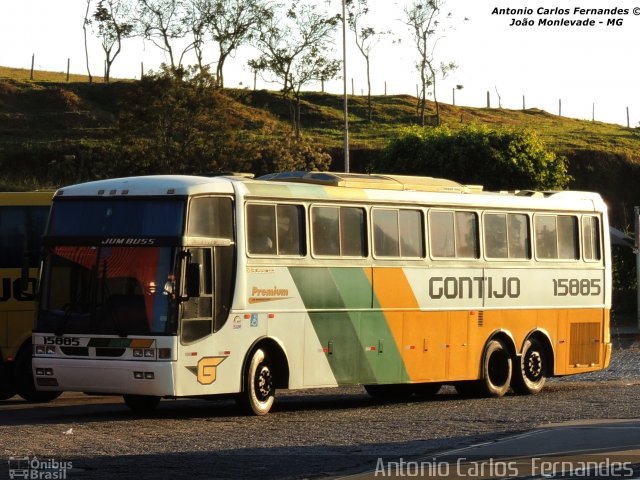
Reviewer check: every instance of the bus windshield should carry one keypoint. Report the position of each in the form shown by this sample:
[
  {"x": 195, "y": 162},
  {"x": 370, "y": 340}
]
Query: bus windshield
[
  {"x": 101, "y": 217},
  {"x": 108, "y": 290}
]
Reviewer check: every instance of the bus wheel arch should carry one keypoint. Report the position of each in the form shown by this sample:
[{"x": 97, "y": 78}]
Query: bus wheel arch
[
  {"x": 534, "y": 364},
  {"x": 497, "y": 365},
  {"x": 265, "y": 369},
  {"x": 23, "y": 377}
]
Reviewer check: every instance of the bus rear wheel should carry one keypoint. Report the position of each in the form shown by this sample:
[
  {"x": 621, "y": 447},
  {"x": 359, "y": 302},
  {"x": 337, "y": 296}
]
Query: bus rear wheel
[
  {"x": 259, "y": 390},
  {"x": 531, "y": 375},
  {"x": 497, "y": 369},
  {"x": 141, "y": 404}
]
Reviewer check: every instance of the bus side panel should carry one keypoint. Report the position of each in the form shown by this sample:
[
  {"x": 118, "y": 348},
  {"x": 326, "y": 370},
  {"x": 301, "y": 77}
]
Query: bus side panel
[
  {"x": 334, "y": 298},
  {"x": 358, "y": 342}
]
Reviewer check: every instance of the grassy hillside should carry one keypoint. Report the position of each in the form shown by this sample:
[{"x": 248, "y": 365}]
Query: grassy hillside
[{"x": 52, "y": 127}]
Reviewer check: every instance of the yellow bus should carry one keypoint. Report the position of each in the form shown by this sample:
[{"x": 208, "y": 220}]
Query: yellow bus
[
  {"x": 177, "y": 286},
  {"x": 23, "y": 217}
]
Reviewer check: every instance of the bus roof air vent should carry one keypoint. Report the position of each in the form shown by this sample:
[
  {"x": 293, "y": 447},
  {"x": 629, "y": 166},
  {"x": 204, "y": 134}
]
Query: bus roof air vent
[{"x": 375, "y": 181}]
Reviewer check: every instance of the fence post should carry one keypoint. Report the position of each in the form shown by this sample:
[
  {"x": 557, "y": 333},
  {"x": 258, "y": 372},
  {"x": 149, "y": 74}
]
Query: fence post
[
  {"x": 33, "y": 58},
  {"x": 559, "y": 107},
  {"x": 68, "y": 65},
  {"x": 385, "y": 88},
  {"x": 523, "y": 107},
  {"x": 488, "y": 100},
  {"x": 628, "y": 125}
]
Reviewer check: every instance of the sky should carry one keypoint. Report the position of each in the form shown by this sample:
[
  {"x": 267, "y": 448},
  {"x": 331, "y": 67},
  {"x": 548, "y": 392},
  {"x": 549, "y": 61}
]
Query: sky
[{"x": 594, "y": 70}]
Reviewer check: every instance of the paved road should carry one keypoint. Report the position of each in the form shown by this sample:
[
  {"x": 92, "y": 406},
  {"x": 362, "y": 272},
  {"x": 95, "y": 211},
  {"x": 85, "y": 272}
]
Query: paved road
[{"x": 310, "y": 434}]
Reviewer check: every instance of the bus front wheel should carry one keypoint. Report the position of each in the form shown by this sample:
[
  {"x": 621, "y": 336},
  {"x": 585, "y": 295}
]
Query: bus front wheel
[
  {"x": 531, "y": 375},
  {"x": 259, "y": 390},
  {"x": 497, "y": 369}
]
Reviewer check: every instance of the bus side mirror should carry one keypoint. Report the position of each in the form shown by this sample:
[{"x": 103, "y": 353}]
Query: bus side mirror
[{"x": 192, "y": 280}]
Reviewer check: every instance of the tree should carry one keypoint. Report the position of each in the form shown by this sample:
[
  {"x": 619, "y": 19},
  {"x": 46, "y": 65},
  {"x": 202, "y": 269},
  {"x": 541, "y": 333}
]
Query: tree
[
  {"x": 232, "y": 23},
  {"x": 294, "y": 49},
  {"x": 366, "y": 38},
  {"x": 85, "y": 24},
  {"x": 174, "y": 121},
  {"x": 196, "y": 17},
  {"x": 113, "y": 19},
  {"x": 422, "y": 19},
  {"x": 504, "y": 158},
  {"x": 163, "y": 22}
]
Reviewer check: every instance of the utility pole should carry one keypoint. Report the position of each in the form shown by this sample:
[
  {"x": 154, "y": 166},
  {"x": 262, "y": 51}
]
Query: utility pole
[
  {"x": 636, "y": 250},
  {"x": 344, "y": 80}
]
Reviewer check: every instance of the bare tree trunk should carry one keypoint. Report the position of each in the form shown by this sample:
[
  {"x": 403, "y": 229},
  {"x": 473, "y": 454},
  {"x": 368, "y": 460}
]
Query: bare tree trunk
[
  {"x": 86, "y": 47},
  {"x": 369, "y": 107}
]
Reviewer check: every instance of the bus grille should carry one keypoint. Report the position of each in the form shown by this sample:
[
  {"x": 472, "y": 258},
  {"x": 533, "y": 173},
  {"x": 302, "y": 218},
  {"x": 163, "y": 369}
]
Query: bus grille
[
  {"x": 75, "y": 351},
  {"x": 585, "y": 344}
]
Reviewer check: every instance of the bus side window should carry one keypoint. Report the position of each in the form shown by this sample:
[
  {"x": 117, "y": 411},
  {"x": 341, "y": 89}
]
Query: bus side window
[
  {"x": 568, "y": 237},
  {"x": 353, "y": 228},
  {"x": 441, "y": 234},
  {"x": 13, "y": 242},
  {"x": 591, "y": 238},
  {"x": 506, "y": 235},
  {"x": 261, "y": 229},
  {"x": 518, "y": 233},
  {"x": 546, "y": 236},
  {"x": 386, "y": 241},
  {"x": 467, "y": 235},
  {"x": 291, "y": 230},
  {"x": 495, "y": 235},
  {"x": 411, "y": 233},
  {"x": 326, "y": 230}
]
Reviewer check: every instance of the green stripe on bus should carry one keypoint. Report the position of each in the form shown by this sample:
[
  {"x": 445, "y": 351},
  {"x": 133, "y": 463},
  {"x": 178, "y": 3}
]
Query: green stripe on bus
[{"x": 359, "y": 344}]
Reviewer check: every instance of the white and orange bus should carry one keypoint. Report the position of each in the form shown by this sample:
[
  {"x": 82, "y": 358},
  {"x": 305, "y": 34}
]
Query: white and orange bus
[{"x": 176, "y": 286}]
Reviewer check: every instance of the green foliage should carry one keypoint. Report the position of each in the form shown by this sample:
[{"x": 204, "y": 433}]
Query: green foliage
[
  {"x": 281, "y": 154},
  {"x": 503, "y": 158},
  {"x": 179, "y": 122},
  {"x": 625, "y": 282}
]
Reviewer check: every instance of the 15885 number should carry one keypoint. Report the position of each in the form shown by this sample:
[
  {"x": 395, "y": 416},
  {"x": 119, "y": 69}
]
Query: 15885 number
[{"x": 574, "y": 287}]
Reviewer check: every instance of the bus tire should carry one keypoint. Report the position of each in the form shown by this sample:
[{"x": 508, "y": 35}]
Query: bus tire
[
  {"x": 497, "y": 369},
  {"x": 259, "y": 391},
  {"x": 531, "y": 375},
  {"x": 141, "y": 404},
  {"x": 24, "y": 381}
]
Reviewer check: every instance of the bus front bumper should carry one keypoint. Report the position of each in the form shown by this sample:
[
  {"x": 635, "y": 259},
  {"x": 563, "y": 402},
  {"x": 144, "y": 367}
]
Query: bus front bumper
[{"x": 99, "y": 376}]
